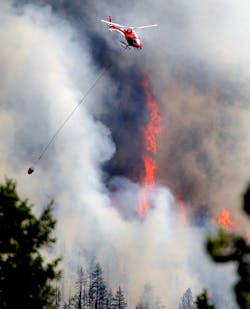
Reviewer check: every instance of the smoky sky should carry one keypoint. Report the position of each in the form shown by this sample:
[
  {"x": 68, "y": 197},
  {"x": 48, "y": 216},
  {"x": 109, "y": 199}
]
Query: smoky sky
[
  {"x": 195, "y": 52},
  {"x": 198, "y": 67},
  {"x": 125, "y": 113}
]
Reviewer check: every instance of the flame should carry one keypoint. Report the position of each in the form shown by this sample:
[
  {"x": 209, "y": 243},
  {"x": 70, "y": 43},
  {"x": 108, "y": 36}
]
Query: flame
[
  {"x": 150, "y": 170},
  {"x": 224, "y": 220},
  {"x": 182, "y": 209},
  {"x": 151, "y": 132},
  {"x": 144, "y": 206}
]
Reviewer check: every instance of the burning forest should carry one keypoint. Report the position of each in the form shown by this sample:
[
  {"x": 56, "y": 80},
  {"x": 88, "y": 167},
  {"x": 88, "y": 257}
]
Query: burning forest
[
  {"x": 145, "y": 152},
  {"x": 151, "y": 132}
]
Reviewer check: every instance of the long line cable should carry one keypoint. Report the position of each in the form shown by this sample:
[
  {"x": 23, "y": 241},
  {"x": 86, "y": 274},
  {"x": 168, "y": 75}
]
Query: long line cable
[{"x": 31, "y": 169}]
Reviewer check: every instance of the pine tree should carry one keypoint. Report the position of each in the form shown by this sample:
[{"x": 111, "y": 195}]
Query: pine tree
[
  {"x": 228, "y": 247},
  {"x": 97, "y": 288},
  {"x": 109, "y": 300},
  {"x": 78, "y": 299},
  {"x": 187, "y": 300},
  {"x": 119, "y": 301},
  {"x": 202, "y": 301},
  {"x": 25, "y": 277}
]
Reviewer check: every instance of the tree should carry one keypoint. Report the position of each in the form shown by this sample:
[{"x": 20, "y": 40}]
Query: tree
[
  {"x": 25, "y": 277},
  {"x": 58, "y": 298},
  {"x": 119, "y": 301},
  {"x": 109, "y": 300},
  {"x": 78, "y": 298},
  {"x": 147, "y": 298},
  {"x": 187, "y": 300},
  {"x": 97, "y": 288},
  {"x": 228, "y": 247},
  {"x": 202, "y": 301}
]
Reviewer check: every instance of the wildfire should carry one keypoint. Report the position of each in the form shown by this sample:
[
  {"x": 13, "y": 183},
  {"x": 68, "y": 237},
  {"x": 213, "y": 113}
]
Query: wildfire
[
  {"x": 224, "y": 220},
  {"x": 151, "y": 132}
]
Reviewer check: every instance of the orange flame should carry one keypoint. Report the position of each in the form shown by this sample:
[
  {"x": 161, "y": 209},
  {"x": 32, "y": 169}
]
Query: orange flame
[
  {"x": 150, "y": 170},
  {"x": 224, "y": 220},
  {"x": 151, "y": 132}
]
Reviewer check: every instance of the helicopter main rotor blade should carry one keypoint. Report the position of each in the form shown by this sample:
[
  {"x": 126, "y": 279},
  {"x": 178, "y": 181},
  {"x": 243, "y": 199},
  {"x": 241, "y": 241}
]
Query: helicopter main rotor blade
[
  {"x": 127, "y": 27},
  {"x": 113, "y": 24},
  {"x": 142, "y": 27}
]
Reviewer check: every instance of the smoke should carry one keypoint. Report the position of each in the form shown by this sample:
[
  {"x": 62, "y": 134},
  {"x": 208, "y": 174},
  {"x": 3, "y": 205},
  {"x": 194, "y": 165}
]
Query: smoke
[
  {"x": 201, "y": 74},
  {"x": 199, "y": 67},
  {"x": 49, "y": 59}
]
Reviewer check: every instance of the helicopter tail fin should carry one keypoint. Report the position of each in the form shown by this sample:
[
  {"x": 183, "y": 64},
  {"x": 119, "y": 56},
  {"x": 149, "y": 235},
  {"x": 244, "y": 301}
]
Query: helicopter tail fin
[{"x": 110, "y": 19}]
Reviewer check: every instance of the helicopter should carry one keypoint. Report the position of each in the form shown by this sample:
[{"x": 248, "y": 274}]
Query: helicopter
[{"x": 127, "y": 32}]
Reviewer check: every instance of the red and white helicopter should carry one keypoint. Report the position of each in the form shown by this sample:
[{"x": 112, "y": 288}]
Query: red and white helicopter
[{"x": 127, "y": 32}]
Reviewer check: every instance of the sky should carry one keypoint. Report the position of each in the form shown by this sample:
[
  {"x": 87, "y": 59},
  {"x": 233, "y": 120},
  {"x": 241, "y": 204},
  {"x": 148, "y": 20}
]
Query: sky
[{"x": 196, "y": 62}]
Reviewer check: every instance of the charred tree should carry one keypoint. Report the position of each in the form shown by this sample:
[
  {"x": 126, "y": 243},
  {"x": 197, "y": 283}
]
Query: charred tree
[
  {"x": 119, "y": 301},
  {"x": 109, "y": 300},
  {"x": 97, "y": 289},
  {"x": 78, "y": 298}
]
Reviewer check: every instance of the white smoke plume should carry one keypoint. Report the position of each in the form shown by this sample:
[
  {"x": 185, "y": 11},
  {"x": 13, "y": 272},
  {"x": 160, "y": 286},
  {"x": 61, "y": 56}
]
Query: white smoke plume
[{"x": 45, "y": 71}]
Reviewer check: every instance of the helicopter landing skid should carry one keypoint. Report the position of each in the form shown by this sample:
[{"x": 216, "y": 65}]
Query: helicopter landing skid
[{"x": 125, "y": 45}]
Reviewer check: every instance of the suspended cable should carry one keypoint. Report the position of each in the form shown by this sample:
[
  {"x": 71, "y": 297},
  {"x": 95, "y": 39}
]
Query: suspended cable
[{"x": 31, "y": 169}]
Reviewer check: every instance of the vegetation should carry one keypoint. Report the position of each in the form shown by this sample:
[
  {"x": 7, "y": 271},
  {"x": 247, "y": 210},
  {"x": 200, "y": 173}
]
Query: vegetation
[
  {"x": 92, "y": 292},
  {"x": 187, "y": 300},
  {"x": 25, "y": 277},
  {"x": 228, "y": 247},
  {"x": 202, "y": 301}
]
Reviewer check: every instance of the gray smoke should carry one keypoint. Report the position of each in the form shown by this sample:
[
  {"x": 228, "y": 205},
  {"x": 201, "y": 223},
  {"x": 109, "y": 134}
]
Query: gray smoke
[
  {"x": 197, "y": 64},
  {"x": 197, "y": 60}
]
